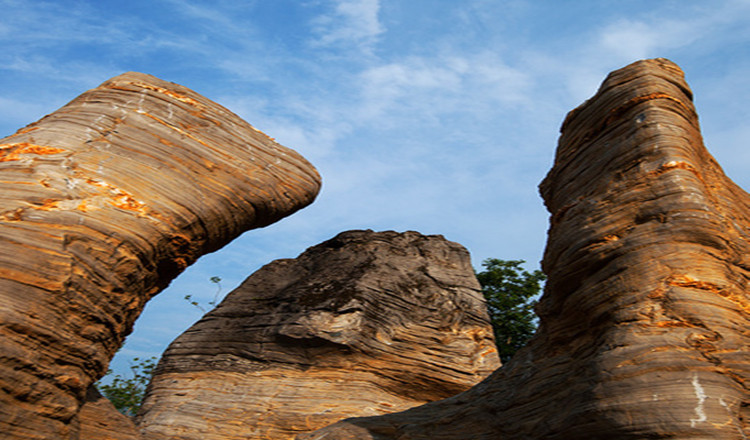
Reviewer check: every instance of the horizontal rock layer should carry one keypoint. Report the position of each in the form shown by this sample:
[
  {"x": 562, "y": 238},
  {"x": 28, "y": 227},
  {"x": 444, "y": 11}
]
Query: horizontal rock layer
[
  {"x": 645, "y": 316},
  {"x": 366, "y": 323},
  {"x": 102, "y": 203}
]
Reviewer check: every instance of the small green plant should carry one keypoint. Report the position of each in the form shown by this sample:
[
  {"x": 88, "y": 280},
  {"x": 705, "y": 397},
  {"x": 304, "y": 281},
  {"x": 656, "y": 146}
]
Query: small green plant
[
  {"x": 212, "y": 304},
  {"x": 127, "y": 394}
]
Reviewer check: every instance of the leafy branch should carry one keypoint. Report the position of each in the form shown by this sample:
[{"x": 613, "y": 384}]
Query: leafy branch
[
  {"x": 189, "y": 298},
  {"x": 127, "y": 394}
]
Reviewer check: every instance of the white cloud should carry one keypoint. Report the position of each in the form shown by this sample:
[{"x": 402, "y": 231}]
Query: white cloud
[
  {"x": 628, "y": 39},
  {"x": 697, "y": 30},
  {"x": 219, "y": 18},
  {"x": 426, "y": 87},
  {"x": 384, "y": 87},
  {"x": 309, "y": 124},
  {"x": 32, "y": 26},
  {"x": 351, "y": 22}
]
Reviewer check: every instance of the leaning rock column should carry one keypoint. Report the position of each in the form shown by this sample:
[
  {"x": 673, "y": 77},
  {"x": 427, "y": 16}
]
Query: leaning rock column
[
  {"x": 365, "y": 323},
  {"x": 645, "y": 316},
  {"x": 102, "y": 204}
]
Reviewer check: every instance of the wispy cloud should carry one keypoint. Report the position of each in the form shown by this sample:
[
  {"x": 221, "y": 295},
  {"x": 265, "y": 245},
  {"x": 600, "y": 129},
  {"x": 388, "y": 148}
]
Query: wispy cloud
[
  {"x": 349, "y": 23},
  {"x": 444, "y": 83},
  {"x": 681, "y": 32}
]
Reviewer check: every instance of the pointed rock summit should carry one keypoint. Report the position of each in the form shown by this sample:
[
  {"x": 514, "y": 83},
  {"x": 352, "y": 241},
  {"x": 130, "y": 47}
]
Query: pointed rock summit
[
  {"x": 645, "y": 316},
  {"x": 366, "y": 323},
  {"x": 102, "y": 204}
]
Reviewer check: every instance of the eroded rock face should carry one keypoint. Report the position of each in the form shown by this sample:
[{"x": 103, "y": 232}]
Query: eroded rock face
[
  {"x": 102, "y": 203},
  {"x": 98, "y": 419},
  {"x": 645, "y": 317},
  {"x": 365, "y": 323}
]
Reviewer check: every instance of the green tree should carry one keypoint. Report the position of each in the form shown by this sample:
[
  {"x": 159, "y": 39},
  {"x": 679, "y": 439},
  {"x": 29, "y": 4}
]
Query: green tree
[
  {"x": 126, "y": 394},
  {"x": 511, "y": 294}
]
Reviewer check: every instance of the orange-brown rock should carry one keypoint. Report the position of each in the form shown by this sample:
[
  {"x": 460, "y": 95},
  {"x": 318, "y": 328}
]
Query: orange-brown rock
[
  {"x": 99, "y": 420},
  {"x": 363, "y": 324},
  {"x": 645, "y": 320},
  {"x": 102, "y": 203}
]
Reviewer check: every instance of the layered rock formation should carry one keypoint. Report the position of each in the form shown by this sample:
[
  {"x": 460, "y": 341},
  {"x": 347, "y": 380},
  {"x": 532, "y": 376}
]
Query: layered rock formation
[
  {"x": 645, "y": 316},
  {"x": 98, "y": 419},
  {"x": 363, "y": 324},
  {"x": 102, "y": 203}
]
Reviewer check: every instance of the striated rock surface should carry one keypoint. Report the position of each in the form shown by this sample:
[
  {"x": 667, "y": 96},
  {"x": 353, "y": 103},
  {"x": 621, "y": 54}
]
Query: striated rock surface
[
  {"x": 99, "y": 420},
  {"x": 363, "y": 324},
  {"x": 102, "y": 203},
  {"x": 645, "y": 321}
]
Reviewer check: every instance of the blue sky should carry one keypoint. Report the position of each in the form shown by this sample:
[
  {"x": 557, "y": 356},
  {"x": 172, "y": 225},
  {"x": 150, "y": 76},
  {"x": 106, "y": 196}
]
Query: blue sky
[{"x": 439, "y": 116}]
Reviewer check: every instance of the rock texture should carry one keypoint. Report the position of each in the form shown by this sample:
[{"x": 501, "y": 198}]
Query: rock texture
[
  {"x": 99, "y": 420},
  {"x": 102, "y": 203},
  {"x": 645, "y": 320},
  {"x": 365, "y": 323}
]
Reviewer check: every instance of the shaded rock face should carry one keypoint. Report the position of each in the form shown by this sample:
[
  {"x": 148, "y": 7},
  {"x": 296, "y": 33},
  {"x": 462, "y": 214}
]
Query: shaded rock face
[
  {"x": 645, "y": 316},
  {"x": 102, "y": 203},
  {"x": 98, "y": 419},
  {"x": 363, "y": 324}
]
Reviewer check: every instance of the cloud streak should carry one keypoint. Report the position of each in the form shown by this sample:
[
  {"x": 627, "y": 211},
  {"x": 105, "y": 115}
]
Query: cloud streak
[{"x": 349, "y": 23}]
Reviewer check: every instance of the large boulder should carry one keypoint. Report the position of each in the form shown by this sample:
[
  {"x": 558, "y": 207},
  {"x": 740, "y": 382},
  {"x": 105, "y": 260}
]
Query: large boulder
[
  {"x": 103, "y": 203},
  {"x": 363, "y": 324},
  {"x": 645, "y": 316}
]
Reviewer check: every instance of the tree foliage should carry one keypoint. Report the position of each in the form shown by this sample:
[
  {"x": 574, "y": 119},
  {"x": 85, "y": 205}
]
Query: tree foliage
[
  {"x": 511, "y": 294},
  {"x": 126, "y": 394}
]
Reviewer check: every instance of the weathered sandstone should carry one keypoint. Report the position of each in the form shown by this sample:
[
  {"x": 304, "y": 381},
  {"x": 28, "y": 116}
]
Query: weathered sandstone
[
  {"x": 363, "y": 324},
  {"x": 99, "y": 420},
  {"x": 102, "y": 203},
  {"x": 645, "y": 319}
]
